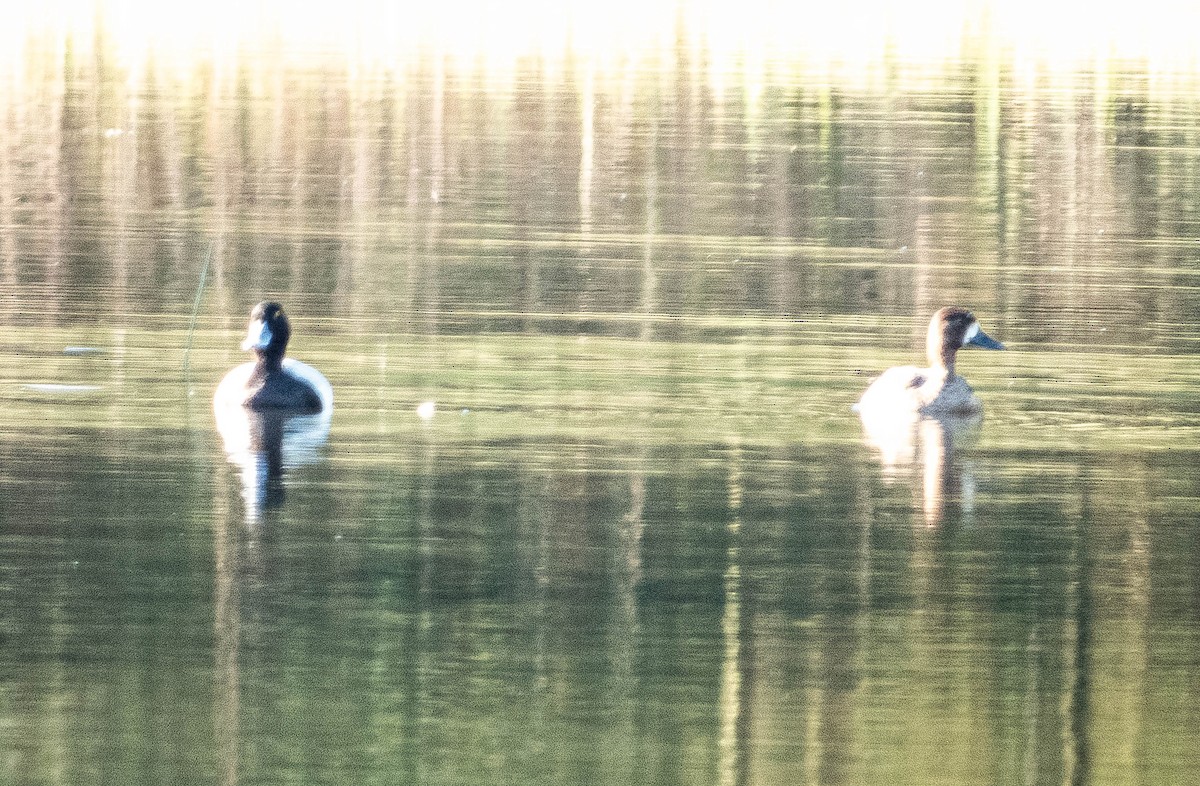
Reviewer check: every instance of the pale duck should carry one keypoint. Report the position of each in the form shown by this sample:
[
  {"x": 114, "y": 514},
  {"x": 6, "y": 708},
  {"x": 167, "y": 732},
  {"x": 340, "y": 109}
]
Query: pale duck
[{"x": 936, "y": 390}]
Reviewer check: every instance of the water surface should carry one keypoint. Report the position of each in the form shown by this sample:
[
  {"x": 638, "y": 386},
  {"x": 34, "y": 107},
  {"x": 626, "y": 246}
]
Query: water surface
[{"x": 643, "y": 538}]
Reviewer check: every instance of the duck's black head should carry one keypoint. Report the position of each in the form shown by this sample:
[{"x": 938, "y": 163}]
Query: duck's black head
[{"x": 268, "y": 332}]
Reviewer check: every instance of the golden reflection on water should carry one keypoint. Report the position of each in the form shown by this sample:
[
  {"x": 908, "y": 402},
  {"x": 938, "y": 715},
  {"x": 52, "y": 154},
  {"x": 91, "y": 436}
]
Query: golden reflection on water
[
  {"x": 849, "y": 41},
  {"x": 327, "y": 122}
]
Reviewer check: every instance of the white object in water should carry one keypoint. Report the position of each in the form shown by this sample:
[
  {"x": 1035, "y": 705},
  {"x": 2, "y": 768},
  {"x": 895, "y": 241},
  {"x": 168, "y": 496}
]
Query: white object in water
[{"x": 426, "y": 410}]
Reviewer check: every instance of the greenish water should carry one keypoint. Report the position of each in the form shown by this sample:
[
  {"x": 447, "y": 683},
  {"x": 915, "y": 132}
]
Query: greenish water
[{"x": 643, "y": 538}]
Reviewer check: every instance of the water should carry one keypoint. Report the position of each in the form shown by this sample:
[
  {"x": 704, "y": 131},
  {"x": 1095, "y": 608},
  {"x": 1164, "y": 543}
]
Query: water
[{"x": 642, "y": 539}]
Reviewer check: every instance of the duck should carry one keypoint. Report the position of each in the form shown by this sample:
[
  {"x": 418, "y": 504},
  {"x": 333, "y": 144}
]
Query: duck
[
  {"x": 272, "y": 382},
  {"x": 936, "y": 390}
]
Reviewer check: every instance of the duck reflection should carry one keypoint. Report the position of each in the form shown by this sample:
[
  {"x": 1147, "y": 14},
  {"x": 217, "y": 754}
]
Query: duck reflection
[
  {"x": 265, "y": 444},
  {"x": 932, "y": 445}
]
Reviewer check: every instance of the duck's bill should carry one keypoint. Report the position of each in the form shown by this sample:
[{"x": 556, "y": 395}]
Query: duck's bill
[
  {"x": 981, "y": 339},
  {"x": 257, "y": 337}
]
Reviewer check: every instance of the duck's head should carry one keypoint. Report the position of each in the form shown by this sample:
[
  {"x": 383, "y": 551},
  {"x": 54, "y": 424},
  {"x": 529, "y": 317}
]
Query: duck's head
[
  {"x": 268, "y": 332},
  {"x": 951, "y": 329}
]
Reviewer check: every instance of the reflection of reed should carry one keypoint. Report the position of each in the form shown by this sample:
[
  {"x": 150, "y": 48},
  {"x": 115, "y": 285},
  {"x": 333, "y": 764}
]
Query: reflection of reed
[
  {"x": 227, "y": 706},
  {"x": 627, "y": 575},
  {"x": 1077, "y": 753},
  {"x": 587, "y": 152},
  {"x": 1113, "y": 670},
  {"x": 8, "y": 245},
  {"x": 735, "y": 720},
  {"x": 281, "y": 162}
]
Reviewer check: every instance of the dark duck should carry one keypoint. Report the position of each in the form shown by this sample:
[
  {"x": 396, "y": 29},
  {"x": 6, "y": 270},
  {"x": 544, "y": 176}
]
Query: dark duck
[{"x": 273, "y": 382}]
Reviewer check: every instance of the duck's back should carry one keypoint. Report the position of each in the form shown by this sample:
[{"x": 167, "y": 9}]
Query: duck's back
[
  {"x": 895, "y": 389},
  {"x": 235, "y": 387},
  {"x": 911, "y": 390},
  {"x": 313, "y": 379}
]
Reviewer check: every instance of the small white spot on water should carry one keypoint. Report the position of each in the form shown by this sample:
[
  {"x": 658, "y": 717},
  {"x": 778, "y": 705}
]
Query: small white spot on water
[{"x": 426, "y": 410}]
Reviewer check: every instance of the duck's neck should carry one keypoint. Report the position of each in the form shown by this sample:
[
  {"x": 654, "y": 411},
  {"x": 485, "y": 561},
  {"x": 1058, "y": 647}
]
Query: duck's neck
[
  {"x": 940, "y": 353},
  {"x": 946, "y": 363},
  {"x": 269, "y": 362}
]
